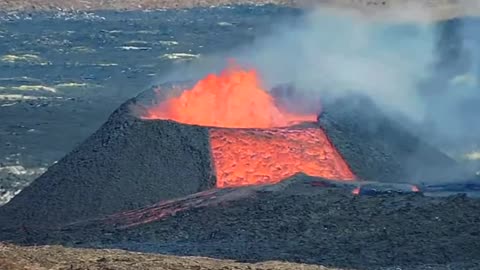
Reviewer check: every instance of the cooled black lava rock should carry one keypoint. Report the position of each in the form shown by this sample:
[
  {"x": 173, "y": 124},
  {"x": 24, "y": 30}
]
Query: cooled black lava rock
[
  {"x": 128, "y": 163},
  {"x": 296, "y": 220}
]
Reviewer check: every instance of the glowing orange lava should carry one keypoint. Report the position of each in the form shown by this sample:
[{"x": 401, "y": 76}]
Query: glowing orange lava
[
  {"x": 265, "y": 156},
  {"x": 262, "y": 151},
  {"x": 233, "y": 99}
]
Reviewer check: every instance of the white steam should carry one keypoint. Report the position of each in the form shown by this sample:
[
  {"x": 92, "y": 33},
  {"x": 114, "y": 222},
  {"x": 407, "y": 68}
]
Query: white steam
[
  {"x": 335, "y": 51},
  {"x": 395, "y": 56}
]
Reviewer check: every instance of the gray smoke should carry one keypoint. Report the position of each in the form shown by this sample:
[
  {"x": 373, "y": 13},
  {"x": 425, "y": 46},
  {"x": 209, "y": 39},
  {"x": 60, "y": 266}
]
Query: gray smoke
[
  {"x": 423, "y": 72},
  {"x": 452, "y": 92},
  {"x": 336, "y": 52}
]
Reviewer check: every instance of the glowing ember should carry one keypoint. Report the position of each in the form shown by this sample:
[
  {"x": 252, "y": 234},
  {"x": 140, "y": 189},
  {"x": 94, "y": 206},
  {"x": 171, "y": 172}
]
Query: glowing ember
[
  {"x": 233, "y": 99},
  {"x": 253, "y": 156}
]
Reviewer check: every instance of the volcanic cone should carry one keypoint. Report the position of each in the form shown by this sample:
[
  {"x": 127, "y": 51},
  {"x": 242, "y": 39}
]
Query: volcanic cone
[{"x": 227, "y": 131}]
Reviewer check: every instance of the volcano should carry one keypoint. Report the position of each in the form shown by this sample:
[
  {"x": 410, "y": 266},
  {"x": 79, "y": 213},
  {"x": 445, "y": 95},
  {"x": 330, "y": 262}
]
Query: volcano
[{"x": 225, "y": 131}]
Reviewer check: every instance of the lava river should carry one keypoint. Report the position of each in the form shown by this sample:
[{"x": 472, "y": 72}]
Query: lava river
[{"x": 253, "y": 141}]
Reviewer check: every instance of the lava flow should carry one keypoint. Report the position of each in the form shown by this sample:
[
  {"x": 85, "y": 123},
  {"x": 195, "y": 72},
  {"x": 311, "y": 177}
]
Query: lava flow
[
  {"x": 253, "y": 141},
  {"x": 266, "y": 156}
]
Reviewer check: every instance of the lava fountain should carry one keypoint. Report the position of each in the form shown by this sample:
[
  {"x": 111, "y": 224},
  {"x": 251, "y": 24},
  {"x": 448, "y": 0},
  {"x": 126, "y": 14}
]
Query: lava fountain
[{"x": 253, "y": 141}]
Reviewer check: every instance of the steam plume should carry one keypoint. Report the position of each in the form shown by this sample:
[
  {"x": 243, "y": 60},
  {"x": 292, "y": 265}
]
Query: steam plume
[{"x": 404, "y": 59}]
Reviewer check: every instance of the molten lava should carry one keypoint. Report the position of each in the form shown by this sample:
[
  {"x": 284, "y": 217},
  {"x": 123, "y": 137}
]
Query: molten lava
[
  {"x": 232, "y": 99},
  {"x": 262, "y": 151},
  {"x": 252, "y": 156}
]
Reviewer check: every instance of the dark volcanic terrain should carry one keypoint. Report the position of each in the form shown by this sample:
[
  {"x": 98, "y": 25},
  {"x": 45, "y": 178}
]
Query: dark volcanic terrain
[
  {"x": 64, "y": 73},
  {"x": 296, "y": 221},
  {"x": 130, "y": 163}
]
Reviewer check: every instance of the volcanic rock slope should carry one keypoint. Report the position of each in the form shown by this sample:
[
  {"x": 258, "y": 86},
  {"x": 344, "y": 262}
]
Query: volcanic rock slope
[
  {"x": 130, "y": 163},
  {"x": 380, "y": 149},
  {"x": 126, "y": 164}
]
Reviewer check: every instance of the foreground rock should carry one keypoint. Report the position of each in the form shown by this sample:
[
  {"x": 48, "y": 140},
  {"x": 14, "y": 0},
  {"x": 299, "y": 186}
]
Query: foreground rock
[{"x": 56, "y": 257}]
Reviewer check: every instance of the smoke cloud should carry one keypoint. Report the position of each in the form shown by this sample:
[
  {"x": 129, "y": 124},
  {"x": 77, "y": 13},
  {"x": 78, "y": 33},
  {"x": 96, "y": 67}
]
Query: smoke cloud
[
  {"x": 337, "y": 52},
  {"x": 412, "y": 66}
]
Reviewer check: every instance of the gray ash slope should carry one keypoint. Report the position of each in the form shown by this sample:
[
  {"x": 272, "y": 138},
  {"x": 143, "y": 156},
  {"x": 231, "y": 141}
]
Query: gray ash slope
[
  {"x": 378, "y": 148},
  {"x": 297, "y": 221},
  {"x": 128, "y": 163}
]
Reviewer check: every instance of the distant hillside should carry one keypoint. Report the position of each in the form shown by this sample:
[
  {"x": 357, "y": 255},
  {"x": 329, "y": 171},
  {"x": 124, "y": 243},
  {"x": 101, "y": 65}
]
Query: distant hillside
[{"x": 444, "y": 8}]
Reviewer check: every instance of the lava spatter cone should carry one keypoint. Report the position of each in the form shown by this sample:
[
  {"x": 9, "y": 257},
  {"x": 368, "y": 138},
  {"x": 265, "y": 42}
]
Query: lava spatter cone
[
  {"x": 225, "y": 131},
  {"x": 252, "y": 140}
]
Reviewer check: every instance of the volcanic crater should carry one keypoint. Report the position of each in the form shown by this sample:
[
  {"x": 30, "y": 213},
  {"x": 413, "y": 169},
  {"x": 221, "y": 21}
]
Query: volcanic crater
[
  {"x": 226, "y": 131},
  {"x": 253, "y": 140}
]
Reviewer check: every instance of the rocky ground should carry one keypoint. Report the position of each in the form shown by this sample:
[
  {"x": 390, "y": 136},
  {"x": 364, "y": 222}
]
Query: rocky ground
[
  {"x": 61, "y": 258},
  {"x": 437, "y": 8},
  {"x": 156, "y": 4},
  {"x": 62, "y": 75},
  {"x": 297, "y": 220},
  {"x": 33, "y": 5}
]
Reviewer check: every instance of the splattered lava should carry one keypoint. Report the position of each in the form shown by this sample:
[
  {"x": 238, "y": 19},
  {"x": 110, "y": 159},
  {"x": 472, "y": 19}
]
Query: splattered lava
[
  {"x": 233, "y": 99},
  {"x": 253, "y": 141}
]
